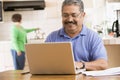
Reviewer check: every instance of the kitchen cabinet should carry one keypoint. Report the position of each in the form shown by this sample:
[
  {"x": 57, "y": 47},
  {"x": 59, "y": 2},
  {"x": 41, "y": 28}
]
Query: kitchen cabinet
[{"x": 113, "y": 52}]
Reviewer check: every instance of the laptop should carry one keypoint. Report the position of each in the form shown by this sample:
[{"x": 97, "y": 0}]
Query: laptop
[{"x": 51, "y": 58}]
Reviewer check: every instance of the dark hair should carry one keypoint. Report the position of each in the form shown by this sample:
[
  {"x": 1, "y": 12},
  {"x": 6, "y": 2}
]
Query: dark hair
[
  {"x": 16, "y": 17},
  {"x": 74, "y": 2}
]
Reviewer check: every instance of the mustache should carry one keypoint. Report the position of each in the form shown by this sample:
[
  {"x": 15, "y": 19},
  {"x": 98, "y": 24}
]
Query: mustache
[{"x": 70, "y": 22}]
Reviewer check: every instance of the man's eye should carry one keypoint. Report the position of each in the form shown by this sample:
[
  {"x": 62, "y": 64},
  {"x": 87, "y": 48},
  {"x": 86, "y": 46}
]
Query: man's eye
[
  {"x": 65, "y": 15},
  {"x": 74, "y": 15}
]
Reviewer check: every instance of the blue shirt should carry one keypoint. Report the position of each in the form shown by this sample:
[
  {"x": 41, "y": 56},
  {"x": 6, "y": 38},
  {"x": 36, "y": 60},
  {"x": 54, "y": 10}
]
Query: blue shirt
[{"x": 87, "y": 45}]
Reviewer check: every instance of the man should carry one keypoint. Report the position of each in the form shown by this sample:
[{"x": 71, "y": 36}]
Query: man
[{"x": 88, "y": 48}]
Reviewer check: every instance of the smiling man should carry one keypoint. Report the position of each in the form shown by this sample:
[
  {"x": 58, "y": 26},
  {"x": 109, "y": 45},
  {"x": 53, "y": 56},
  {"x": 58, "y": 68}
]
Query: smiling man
[{"x": 89, "y": 51}]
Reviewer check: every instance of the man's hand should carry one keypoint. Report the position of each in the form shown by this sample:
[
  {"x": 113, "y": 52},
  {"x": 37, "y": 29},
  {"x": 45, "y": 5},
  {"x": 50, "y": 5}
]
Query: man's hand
[{"x": 78, "y": 65}]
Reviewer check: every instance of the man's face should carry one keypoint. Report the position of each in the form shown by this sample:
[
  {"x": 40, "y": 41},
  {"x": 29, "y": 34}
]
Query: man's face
[{"x": 72, "y": 19}]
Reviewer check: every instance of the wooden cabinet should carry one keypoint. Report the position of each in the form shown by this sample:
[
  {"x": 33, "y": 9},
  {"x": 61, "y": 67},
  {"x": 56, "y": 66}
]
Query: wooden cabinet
[{"x": 113, "y": 51}]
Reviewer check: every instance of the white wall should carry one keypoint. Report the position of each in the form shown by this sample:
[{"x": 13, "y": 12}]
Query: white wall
[{"x": 50, "y": 18}]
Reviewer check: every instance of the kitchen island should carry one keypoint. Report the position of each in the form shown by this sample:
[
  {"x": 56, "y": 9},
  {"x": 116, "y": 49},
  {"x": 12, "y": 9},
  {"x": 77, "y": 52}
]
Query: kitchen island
[{"x": 6, "y": 62}]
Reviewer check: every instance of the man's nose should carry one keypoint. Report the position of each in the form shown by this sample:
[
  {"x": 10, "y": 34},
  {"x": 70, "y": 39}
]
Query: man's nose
[{"x": 70, "y": 18}]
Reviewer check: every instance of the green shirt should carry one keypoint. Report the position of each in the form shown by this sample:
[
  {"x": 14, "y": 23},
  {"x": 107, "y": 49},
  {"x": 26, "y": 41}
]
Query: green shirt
[{"x": 19, "y": 37}]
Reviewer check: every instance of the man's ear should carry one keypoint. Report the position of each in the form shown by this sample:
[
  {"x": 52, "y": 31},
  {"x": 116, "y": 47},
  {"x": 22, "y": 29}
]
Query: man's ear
[{"x": 84, "y": 14}]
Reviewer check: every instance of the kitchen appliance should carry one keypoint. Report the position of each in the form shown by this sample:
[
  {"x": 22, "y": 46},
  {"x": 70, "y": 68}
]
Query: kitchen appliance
[
  {"x": 116, "y": 25},
  {"x": 13, "y": 5}
]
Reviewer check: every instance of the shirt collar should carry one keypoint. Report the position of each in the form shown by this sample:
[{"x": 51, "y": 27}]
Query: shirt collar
[{"x": 82, "y": 33}]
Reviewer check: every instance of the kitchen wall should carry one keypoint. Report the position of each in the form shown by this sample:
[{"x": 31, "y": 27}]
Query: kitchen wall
[
  {"x": 44, "y": 19},
  {"x": 111, "y": 13},
  {"x": 50, "y": 18}
]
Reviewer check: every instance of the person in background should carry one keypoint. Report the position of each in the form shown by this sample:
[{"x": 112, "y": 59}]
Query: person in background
[
  {"x": 18, "y": 40},
  {"x": 88, "y": 48}
]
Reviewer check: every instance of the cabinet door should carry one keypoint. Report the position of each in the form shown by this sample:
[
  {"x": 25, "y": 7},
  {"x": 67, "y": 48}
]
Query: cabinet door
[{"x": 1, "y": 18}]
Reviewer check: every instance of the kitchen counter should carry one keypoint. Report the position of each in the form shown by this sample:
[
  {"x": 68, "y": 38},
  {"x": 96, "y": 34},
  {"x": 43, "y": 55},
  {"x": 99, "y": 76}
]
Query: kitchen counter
[
  {"x": 112, "y": 47},
  {"x": 36, "y": 40},
  {"x": 111, "y": 40}
]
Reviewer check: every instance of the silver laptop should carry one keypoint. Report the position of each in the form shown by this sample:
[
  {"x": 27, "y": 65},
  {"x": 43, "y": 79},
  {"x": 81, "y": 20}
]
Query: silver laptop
[{"x": 51, "y": 58}]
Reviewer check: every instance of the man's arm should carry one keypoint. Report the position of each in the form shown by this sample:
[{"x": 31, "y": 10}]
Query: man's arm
[{"x": 99, "y": 64}]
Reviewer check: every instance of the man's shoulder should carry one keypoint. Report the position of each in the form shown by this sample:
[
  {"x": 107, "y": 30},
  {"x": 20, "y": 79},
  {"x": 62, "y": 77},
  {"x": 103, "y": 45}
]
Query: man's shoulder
[
  {"x": 53, "y": 36},
  {"x": 91, "y": 34},
  {"x": 89, "y": 31}
]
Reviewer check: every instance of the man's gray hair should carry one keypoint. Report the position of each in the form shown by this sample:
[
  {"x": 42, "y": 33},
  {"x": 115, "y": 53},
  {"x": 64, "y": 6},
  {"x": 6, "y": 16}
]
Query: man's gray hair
[{"x": 74, "y": 2}]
